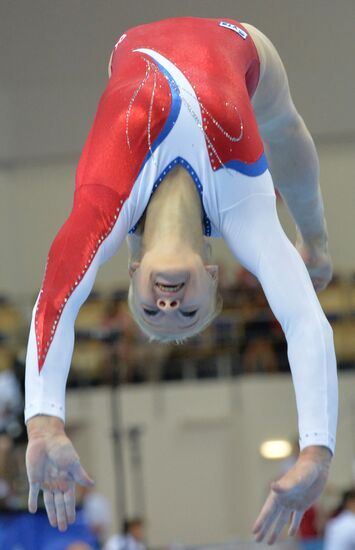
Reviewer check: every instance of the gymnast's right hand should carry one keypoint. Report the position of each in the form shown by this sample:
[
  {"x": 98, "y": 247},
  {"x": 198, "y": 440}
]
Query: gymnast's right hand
[{"x": 53, "y": 466}]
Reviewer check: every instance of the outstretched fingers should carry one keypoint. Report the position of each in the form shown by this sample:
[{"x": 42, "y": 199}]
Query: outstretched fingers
[
  {"x": 57, "y": 482},
  {"x": 278, "y": 526},
  {"x": 60, "y": 505},
  {"x": 267, "y": 516},
  {"x": 48, "y": 498},
  {"x": 295, "y": 523},
  {"x": 80, "y": 475},
  {"x": 69, "y": 501},
  {"x": 33, "y": 497},
  {"x": 62, "y": 520}
]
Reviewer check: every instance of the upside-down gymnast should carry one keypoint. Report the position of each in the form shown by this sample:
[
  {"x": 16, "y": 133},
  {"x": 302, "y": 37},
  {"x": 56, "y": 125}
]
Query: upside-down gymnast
[{"x": 193, "y": 133}]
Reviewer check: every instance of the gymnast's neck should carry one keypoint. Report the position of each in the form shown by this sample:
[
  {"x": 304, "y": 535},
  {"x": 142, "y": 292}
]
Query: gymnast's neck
[{"x": 173, "y": 220}]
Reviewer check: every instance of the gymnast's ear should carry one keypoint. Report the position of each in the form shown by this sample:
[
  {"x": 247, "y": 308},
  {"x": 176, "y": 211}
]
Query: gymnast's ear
[
  {"x": 132, "y": 267},
  {"x": 213, "y": 271}
]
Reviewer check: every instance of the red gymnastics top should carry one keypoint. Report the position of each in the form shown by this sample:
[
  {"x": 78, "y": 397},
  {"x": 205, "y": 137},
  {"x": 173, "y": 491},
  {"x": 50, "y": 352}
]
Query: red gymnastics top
[
  {"x": 221, "y": 64},
  {"x": 220, "y": 61}
]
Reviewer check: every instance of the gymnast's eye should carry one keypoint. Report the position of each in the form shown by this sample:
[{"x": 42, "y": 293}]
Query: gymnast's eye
[
  {"x": 150, "y": 312},
  {"x": 189, "y": 313}
]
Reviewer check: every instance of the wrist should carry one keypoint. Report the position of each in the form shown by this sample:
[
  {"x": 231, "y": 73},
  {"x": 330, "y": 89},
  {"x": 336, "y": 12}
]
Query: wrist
[
  {"x": 317, "y": 452},
  {"x": 314, "y": 242},
  {"x": 40, "y": 425}
]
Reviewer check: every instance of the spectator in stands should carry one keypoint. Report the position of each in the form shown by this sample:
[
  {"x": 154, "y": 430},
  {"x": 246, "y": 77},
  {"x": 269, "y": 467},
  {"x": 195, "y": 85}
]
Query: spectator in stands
[
  {"x": 117, "y": 317},
  {"x": 97, "y": 512},
  {"x": 258, "y": 351},
  {"x": 132, "y": 536},
  {"x": 11, "y": 404},
  {"x": 340, "y": 531}
]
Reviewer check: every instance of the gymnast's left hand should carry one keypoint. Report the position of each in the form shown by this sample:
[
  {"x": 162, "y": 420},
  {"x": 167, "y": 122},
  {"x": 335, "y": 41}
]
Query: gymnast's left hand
[
  {"x": 293, "y": 494},
  {"x": 318, "y": 262}
]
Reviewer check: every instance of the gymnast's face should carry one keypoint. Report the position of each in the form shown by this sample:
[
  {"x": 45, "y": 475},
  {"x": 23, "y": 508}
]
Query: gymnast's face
[{"x": 172, "y": 296}]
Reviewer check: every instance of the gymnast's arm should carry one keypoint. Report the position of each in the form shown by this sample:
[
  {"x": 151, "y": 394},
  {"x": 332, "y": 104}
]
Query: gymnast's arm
[
  {"x": 51, "y": 460},
  {"x": 292, "y": 158},
  {"x": 95, "y": 229},
  {"x": 82, "y": 245},
  {"x": 254, "y": 234}
]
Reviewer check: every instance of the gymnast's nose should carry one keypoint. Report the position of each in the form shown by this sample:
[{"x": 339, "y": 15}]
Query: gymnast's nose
[{"x": 168, "y": 304}]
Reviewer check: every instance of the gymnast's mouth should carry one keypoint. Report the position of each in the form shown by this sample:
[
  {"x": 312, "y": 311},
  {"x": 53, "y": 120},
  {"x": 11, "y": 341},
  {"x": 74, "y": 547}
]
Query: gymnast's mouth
[{"x": 164, "y": 287}]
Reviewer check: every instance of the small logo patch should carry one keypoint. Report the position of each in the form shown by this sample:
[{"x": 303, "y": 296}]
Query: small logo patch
[{"x": 234, "y": 28}]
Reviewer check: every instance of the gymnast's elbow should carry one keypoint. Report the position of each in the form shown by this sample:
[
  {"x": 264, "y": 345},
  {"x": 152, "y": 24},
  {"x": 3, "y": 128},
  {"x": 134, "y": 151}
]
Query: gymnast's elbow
[{"x": 323, "y": 327}]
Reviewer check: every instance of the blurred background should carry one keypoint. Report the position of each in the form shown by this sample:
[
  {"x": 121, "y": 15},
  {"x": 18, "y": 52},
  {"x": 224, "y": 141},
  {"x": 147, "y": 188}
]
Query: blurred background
[{"x": 171, "y": 434}]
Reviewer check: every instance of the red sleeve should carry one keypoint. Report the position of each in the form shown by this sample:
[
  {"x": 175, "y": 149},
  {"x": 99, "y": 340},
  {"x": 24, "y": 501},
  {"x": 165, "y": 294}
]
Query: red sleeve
[{"x": 91, "y": 221}]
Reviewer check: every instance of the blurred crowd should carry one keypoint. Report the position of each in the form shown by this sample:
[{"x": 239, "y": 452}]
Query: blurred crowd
[{"x": 245, "y": 338}]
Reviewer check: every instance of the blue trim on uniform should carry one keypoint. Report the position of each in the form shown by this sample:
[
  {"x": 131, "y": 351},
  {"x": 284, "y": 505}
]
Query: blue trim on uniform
[
  {"x": 255, "y": 169},
  {"x": 198, "y": 185},
  {"x": 173, "y": 114}
]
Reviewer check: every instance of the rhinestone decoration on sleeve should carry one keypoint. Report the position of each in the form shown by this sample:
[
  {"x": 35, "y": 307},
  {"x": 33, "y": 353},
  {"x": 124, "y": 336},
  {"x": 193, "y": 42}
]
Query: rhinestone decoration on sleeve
[
  {"x": 151, "y": 110},
  {"x": 42, "y": 348},
  {"x": 133, "y": 98}
]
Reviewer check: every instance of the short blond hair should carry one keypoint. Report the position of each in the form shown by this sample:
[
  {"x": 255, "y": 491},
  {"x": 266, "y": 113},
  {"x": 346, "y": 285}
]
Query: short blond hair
[{"x": 155, "y": 336}]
